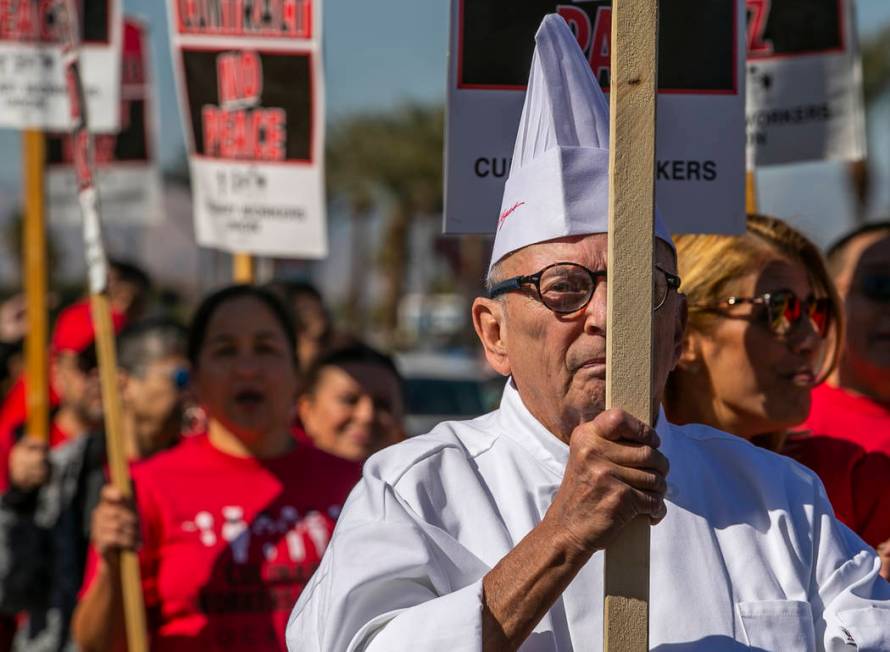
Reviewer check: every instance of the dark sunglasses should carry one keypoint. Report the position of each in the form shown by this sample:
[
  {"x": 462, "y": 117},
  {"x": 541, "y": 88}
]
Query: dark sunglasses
[
  {"x": 180, "y": 377},
  {"x": 876, "y": 287},
  {"x": 87, "y": 360},
  {"x": 568, "y": 287},
  {"x": 783, "y": 310}
]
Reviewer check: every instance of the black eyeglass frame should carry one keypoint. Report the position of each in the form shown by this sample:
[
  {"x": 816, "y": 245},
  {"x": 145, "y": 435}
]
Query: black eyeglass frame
[
  {"x": 764, "y": 300},
  {"x": 517, "y": 283}
]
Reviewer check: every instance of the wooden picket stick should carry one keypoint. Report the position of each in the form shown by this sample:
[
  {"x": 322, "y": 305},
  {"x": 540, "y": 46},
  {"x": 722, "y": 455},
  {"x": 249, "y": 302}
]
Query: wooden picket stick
[
  {"x": 134, "y": 606},
  {"x": 97, "y": 269},
  {"x": 750, "y": 192},
  {"x": 629, "y": 334},
  {"x": 35, "y": 274},
  {"x": 242, "y": 268},
  {"x": 860, "y": 181}
]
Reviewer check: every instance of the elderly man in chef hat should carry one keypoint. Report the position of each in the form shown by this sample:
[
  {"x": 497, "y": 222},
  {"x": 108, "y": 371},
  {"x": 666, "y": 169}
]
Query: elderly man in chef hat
[{"x": 488, "y": 534}]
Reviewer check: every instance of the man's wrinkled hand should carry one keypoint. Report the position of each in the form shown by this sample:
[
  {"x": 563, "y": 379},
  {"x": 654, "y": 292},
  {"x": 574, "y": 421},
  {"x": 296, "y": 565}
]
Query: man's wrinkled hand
[{"x": 615, "y": 473}]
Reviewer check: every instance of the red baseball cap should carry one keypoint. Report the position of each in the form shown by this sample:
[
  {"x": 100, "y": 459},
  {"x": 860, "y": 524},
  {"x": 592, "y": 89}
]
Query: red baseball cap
[{"x": 74, "y": 328}]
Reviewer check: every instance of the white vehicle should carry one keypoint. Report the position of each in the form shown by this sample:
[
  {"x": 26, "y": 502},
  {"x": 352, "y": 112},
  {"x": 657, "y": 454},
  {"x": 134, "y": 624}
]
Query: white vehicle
[{"x": 442, "y": 387}]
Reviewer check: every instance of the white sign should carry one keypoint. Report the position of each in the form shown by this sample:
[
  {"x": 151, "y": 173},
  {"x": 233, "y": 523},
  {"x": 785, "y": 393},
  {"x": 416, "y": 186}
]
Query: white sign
[
  {"x": 127, "y": 177},
  {"x": 700, "y": 175},
  {"x": 251, "y": 92},
  {"x": 804, "y": 82},
  {"x": 33, "y": 94}
]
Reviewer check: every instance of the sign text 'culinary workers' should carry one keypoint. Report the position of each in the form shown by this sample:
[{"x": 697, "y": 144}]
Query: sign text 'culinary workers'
[{"x": 700, "y": 141}]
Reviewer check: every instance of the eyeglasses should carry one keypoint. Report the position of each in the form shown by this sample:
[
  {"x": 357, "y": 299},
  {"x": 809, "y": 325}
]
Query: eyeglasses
[
  {"x": 876, "y": 287},
  {"x": 568, "y": 287},
  {"x": 783, "y": 310}
]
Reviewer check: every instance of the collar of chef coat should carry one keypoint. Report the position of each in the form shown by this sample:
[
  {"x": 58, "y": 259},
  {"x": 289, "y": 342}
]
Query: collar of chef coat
[{"x": 519, "y": 425}]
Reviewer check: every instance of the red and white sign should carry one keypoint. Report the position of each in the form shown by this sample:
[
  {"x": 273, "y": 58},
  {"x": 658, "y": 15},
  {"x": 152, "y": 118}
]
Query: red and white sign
[
  {"x": 33, "y": 93},
  {"x": 127, "y": 176},
  {"x": 700, "y": 143},
  {"x": 251, "y": 90},
  {"x": 805, "y": 97}
]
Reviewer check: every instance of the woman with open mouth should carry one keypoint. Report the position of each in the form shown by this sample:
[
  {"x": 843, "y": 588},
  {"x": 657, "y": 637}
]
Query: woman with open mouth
[
  {"x": 764, "y": 328},
  {"x": 230, "y": 524}
]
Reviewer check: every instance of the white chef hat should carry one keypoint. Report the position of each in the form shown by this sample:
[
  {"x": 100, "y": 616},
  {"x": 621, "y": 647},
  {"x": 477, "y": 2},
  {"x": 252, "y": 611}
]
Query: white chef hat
[{"x": 559, "y": 180}]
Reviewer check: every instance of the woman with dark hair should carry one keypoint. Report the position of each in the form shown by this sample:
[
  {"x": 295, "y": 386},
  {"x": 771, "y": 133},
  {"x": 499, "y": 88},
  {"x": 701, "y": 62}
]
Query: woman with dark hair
[
  {"x": 230, "y": 524},
  {"x": 314, "y": 329},
  {"x": 353, "y": 403},
  {"x": 765, "y": 327}
]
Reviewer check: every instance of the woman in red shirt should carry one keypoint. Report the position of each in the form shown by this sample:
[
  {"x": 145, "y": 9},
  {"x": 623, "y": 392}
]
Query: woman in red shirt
[
  {"x": 764, "y": 329},
  {"x": 233, "y": 522}
]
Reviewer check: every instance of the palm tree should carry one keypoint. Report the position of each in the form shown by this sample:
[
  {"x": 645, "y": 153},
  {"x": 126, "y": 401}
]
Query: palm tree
[
  {"x": 394, "y": 161},
  {"x": 876, "y": 65},
  {"x": 876, "y": 81}
]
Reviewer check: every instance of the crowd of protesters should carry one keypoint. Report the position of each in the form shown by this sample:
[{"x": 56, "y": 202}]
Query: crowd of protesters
[{"x": 246, "y": 432}]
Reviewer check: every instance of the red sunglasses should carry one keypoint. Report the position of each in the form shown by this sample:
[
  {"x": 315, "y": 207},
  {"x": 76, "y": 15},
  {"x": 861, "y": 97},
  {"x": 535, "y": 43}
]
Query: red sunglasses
[{"x": 783, "y": 310}]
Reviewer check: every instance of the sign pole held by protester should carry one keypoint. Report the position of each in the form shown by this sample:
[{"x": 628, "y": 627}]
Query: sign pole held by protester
[
  {"x": 35, "y": 281},
  {"x": 97, "y": 269},
  {"x": 242, "y": 268},
  {"x": 750, "y": 192},
  {"x": 629, "y": 331}
]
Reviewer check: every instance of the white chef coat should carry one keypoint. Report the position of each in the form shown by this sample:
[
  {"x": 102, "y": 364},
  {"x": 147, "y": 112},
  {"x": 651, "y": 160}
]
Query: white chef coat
[{"x": 749, "y": 553}]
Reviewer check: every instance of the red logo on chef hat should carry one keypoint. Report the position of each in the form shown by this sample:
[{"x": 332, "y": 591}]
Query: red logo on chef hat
[{"x": 507, "y": 213}]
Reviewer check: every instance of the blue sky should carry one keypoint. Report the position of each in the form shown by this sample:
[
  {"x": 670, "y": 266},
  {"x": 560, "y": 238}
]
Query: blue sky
[{"x": 377, "y": 54}]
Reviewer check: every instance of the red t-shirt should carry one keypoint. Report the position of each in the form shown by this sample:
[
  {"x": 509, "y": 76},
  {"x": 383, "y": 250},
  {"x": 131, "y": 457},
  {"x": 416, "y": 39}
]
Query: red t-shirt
[
  {"x": 229, "y": 542},
  {"x": 838, "y": 413},
  {"x": 857, "y": 482}
]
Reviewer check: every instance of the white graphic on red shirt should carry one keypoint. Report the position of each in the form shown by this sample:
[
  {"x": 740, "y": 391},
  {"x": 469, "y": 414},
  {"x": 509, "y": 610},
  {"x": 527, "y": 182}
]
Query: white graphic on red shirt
[
  {"x": 264, "y": 525},
  {"x": 270, "y": 551},
  {"x": 318, "y": 531},
  {"x": 204, "y": 524},
  {"x": 312, "y": 530},
  {"x": 236, "y": 533},
  {"x": 296, "y": 549},
  {"x": 289, "y": 518}
]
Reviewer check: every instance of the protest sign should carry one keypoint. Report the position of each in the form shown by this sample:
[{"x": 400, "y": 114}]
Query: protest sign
[
  {"x": 127, "y": 176},
  {"x": 33, "y": 94},
  {"x": 804, "y": 82},
  {"x": 251, "y": 91},
  {"x": 700, "y": 141}
]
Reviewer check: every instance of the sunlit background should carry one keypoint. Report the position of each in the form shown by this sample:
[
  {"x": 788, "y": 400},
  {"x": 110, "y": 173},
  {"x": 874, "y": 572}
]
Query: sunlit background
[{"x": 385, "y": 72}]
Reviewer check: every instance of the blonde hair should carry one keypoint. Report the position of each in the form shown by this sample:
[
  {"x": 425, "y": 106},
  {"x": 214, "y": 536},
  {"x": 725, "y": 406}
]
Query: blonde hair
[{"x": 710, "y": 266}]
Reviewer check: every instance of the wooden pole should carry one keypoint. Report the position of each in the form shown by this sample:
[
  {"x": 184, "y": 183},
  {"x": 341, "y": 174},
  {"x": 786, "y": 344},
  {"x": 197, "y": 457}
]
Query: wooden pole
[
  {"x": 134, "y": 607},
  {"x": 97, "y": 269},
  {"x": 35, "y": 275},
  {"x": 629, "y": 357},
  {"x": 242, "y": 268},
  {"x": 860, "y": 181},
  {"x": 750, "y": 192}
]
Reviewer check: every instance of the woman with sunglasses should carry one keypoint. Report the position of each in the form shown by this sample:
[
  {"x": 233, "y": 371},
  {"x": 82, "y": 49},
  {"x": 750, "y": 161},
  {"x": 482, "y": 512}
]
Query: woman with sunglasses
[
  {"x": 764, "y": 329},
  {"x": 230, "y": 524}
]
